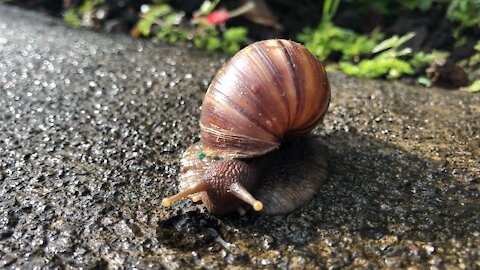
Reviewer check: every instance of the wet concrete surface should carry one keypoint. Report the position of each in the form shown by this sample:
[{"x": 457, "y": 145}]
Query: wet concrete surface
[{"x": 92, "y": 126}]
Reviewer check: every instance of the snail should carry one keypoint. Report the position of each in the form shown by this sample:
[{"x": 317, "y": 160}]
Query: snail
[{"x": 269, "y": 93}]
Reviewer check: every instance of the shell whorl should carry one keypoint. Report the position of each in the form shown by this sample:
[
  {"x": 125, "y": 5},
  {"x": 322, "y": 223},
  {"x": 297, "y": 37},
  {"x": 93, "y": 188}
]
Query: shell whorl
[{"x": 268, "y": 90}]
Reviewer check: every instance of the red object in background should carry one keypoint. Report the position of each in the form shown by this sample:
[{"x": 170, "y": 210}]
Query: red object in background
[{"x": 218, "y": 17}]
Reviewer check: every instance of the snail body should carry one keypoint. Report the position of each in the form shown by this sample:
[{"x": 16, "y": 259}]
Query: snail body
[{"x": 268, "y": 93}]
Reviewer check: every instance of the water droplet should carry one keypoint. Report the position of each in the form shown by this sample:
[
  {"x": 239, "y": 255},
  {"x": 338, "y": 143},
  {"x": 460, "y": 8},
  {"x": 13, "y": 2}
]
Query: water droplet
[{"x": 256, "y": 89}]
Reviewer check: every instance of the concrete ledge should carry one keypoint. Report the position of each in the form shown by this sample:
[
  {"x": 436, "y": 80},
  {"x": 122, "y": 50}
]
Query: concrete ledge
[{"x": 92, "y": 126}]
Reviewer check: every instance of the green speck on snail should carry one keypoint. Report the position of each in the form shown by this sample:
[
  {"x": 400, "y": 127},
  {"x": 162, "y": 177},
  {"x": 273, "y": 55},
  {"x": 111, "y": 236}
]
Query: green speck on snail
[{"x": 201, "y": 156}]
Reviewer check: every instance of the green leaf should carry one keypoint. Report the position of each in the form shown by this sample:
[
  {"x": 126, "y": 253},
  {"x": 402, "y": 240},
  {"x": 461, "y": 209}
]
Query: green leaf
[
  {"x": 157, "y": 12},
  {"x": 393, "y": 42},
  {"x": 212, "y": 43},
  {"x": 477, "y": 46},
  {"x": 422, "y": 80},
  {"x": 144, "y": 26},
  {"x": 474, "y": 87},
  {"x": 464, "y": 11},
  {"x": 71, "y": 18},
  {"x": 237, "y": 34},
  {"x": 421, "y": 58},
  {"x": 372, "y": 68},
  {"x": 208, "y": 6},
  {"x": 88, "y": 6}
]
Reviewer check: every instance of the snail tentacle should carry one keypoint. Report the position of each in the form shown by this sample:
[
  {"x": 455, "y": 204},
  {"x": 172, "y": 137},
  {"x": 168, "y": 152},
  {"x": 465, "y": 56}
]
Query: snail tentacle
[
  {"x": 240, "y": 192},
  {"x": 195, "y": 188}
]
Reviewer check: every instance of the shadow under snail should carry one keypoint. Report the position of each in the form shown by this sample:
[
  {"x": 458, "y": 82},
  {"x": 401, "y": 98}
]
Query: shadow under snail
[{"x": 267, "y": 94}]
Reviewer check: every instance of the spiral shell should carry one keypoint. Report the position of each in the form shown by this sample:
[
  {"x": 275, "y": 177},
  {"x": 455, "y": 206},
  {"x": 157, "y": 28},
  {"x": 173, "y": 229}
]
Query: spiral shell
[{"x": 268, "y": 90}]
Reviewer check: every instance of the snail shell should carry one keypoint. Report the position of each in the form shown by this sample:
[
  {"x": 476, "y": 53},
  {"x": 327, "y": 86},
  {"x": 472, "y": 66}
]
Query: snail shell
[{"x": 268, "y": 92}]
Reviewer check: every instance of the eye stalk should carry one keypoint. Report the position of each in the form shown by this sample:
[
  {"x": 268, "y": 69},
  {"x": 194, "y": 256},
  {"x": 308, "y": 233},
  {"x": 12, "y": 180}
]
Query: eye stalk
[
  {"x": 240, "y": 192},
  {"x": 195, "y": 188}
]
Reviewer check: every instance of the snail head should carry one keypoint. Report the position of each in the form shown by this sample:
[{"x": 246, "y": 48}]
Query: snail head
[{"x": 224, "y": 186}]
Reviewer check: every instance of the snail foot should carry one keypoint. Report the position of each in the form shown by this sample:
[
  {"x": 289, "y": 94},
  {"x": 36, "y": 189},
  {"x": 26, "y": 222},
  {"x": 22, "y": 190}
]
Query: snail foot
[{"x": 299, "y": 169}]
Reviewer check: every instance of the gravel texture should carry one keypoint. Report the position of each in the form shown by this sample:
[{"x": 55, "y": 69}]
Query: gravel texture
[{"x": 92, "y": 126}]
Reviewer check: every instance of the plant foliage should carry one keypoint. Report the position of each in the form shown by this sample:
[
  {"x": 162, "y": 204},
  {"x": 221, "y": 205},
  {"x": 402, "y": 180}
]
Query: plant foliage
[
  {"x": 473, "y": 64},
  {"x": 171, "y": 26},
  {"x": 390, "y": 7},
  {"x": 364, "y": 55},
  {"x": 75, "y": 17},
  {"x": 466, "y": 12},
  {"x": 387, "y": 61}
]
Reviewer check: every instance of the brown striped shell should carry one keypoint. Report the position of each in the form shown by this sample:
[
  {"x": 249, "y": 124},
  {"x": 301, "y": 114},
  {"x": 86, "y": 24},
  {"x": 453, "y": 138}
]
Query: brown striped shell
[{"x": 268, "y": 90}]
